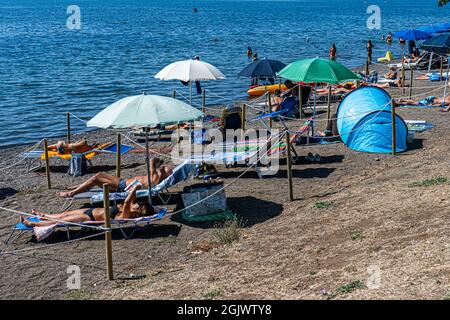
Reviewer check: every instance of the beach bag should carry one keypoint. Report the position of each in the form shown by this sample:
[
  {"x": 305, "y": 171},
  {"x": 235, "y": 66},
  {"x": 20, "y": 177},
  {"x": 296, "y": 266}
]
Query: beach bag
[
  {"x": 435, "y": 77},
  {"x": 77, "y": 165}
]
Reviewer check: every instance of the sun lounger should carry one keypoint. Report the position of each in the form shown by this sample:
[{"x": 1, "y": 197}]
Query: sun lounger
[
  {"x": 37, "y": 156},
  {"x": 180, "y": 173},
  {"x": 121, "y": 224}
]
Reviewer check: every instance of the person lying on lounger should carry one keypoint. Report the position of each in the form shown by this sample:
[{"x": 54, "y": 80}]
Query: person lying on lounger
[
  {"x": 130, "y": 209},
  {"x": 392, "y": 74},
  {"x": 158, "y": 173},
  {"x": 397, "y": 83},
  {"x": 428, "y": 101},
  {"x": 80, "y": 146}
]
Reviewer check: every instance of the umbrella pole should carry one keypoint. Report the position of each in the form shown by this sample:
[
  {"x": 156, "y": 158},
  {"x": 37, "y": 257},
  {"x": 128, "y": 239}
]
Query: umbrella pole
[
  {"x": 314, "y": 113},
  {"x": 147, "y": 161},
  {"x": 190, "y": 92},
  {"x": 446, "y": 83}
]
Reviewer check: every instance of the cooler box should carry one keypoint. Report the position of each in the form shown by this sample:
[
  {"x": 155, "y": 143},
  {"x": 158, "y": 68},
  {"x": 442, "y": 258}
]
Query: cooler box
[{"x": 195, "y": 193}]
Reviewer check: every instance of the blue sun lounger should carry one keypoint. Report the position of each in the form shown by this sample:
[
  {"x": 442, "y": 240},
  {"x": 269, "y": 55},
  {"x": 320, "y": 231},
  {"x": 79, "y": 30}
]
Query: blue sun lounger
[{"x": 121, "y": 224}]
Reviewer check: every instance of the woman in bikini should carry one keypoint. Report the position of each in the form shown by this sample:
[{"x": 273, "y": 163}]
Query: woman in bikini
[
  {"x": 130, "y": 209},
  {"x": 80, "y": 146}
]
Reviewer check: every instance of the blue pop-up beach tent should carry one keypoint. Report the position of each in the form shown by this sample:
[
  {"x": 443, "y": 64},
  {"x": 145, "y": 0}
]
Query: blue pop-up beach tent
[{"x": 364, "y": 121}]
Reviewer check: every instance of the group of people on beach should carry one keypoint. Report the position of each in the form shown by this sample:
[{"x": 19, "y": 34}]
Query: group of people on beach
[{"x": 130, "y": 209}]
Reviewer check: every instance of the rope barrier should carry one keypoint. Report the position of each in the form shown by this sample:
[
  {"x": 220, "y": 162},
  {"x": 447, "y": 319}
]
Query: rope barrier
[{"x": 52, "y": 245}]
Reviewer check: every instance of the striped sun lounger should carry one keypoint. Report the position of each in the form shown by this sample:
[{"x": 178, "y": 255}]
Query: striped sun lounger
[{"x": 120, "y": 224}]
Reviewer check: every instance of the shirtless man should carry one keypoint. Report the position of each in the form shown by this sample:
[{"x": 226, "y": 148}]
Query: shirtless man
[
  {"x": 428, "y": 101},
  {"x": 157, "y": 174}
]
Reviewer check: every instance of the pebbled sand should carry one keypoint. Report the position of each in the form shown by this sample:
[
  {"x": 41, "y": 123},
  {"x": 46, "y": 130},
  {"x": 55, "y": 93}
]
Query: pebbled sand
[{"x": 286, "y": 251}]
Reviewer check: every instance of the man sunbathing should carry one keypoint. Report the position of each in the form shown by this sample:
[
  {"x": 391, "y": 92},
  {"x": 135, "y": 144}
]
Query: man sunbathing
[
  {"x": 158, "y": 173},
  {"x": 80, "y": 146},
  {"x": 428, "y": 101},
  {"x": 130, "y": 209}
]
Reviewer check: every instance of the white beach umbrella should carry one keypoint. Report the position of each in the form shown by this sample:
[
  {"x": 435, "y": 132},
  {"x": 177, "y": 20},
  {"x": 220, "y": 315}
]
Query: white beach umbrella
[
  {"x": 190, "y": 70},
  {"x": 144, "y": 111}
]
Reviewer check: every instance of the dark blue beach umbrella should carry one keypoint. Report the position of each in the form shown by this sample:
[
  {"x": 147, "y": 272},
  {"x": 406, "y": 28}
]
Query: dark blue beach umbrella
[
  {"x": 263, "y": 68},
  {"x": 439, "y": 44},
  {"x": 412, "y": 35},
  {"x": 433, "y": 29}
]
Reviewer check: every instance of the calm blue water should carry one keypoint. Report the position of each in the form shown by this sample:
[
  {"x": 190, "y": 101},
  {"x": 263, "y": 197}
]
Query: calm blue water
[{"x": 47, "y": 70}]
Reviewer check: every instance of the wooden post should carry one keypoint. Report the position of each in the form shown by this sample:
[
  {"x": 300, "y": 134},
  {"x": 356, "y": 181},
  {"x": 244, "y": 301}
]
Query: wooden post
[
  {"x": 394, "y": 140},
  {"x": 358, "y": 84},
  {"x": 269, "y": 103},
  {"x": 47, "y": 164},
  {"x": 367, "y": 68},
  {"x": 442, "y": 66},
  {"x": 174, "y": 94},
  {"x": 289, "y": 167},
  {"x": 403, "y": 74},
  {"x": 300, "y": 106},
  {"x": 118, "y": 154},
  {"x": 203, "y": 100},
  {"x": 68, "y": 127},
  {"x": 411, "y": 74},
  {"x": 243, "y": 115},
  {"x": 329, "y": 104},
  {"x": 108, "y": 238},
  {"x": 178, "y": 134}
]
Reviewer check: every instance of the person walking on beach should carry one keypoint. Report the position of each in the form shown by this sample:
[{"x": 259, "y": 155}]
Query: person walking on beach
[
  {"x": 333, "y": 52},
  {"x": 369, "y": 48}
]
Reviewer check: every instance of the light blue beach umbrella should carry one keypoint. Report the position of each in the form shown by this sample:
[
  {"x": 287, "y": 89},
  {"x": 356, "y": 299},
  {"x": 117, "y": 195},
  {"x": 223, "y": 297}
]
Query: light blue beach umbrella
[{"x": 145, "y": 111}]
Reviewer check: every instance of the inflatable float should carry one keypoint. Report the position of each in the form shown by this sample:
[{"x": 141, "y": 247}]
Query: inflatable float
[{"x": 260, "y": 90}]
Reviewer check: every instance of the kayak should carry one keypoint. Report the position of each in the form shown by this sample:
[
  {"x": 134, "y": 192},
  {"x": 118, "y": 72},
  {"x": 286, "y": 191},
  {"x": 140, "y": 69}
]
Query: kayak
[{"x": 260, "y": 90}]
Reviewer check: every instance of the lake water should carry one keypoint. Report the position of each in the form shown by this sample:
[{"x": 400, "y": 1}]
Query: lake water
[{"x": 47, "y": 69}]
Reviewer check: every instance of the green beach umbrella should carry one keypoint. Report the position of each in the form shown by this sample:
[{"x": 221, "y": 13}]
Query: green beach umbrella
[
  {"x": 317, "y": 70},
  {"x": 144, "y": 111}
]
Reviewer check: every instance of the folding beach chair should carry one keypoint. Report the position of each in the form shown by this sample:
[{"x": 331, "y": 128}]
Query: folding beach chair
[
  {"x": 121, "y": 224},
  {"x": 36, "y": 157}
]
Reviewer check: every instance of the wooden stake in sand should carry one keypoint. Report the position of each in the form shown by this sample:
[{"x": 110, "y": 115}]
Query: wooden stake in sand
[
  {"x": 203, "y": 100},
  {"x": 329, "y": 104},
  {"x": 174, "y": 94},
  {"x": 243, "y": 115},
  {"x": 403, "y": 74},
  {"x": 394, "y": 135},
  {"x": 47, "y": 164},
  {"x": 300, "y": 106},
  {"x": 367, "y": 68},
  {"x": 269, "y": 104},
  {"x": 108, "y": 238},
  {"x": 68, "y": 127},
  {"x": 118, "y": 154},
  {"x": 411, "y": 75},
  {"x": 289, "y": 167},
  {"x": 442, "y": 66}
]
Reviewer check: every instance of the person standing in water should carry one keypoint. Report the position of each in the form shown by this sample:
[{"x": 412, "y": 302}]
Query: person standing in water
[
  {"x": 249, "y": 53},
  {"x": 389, "y": 38},
  {"x": 369, "y": 48},
  {"x": 333, "y": 52}
]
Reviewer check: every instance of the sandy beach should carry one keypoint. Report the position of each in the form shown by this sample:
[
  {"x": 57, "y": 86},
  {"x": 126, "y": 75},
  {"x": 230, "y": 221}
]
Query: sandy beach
[{"x": 353, "y": 213}]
